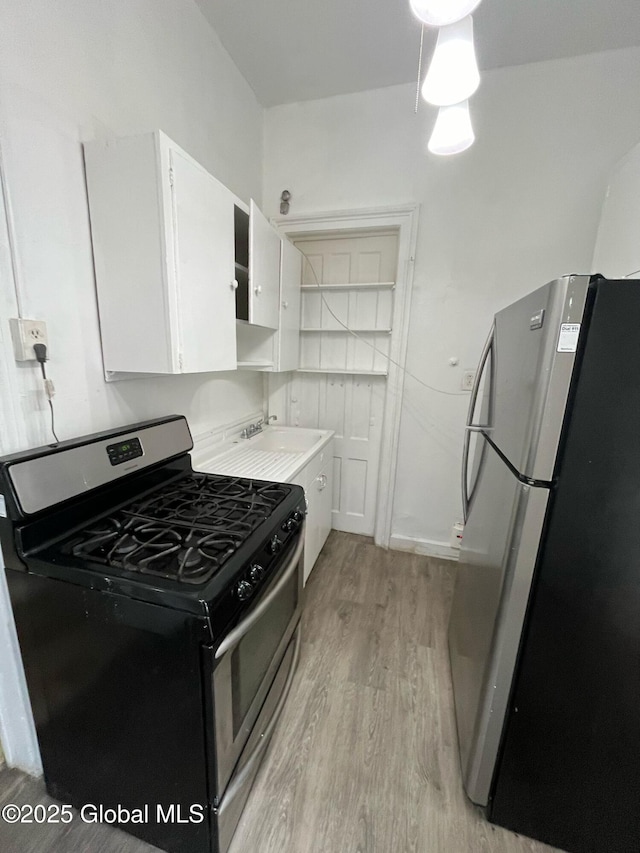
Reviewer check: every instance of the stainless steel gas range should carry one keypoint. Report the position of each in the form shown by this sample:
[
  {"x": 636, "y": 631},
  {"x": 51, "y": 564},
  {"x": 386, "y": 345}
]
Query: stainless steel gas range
[{"x": 157, "y": 611}]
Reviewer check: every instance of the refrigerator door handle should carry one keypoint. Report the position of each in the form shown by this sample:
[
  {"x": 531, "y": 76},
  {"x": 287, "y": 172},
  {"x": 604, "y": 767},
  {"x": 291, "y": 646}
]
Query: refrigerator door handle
[{"x": 470, "y": 426}]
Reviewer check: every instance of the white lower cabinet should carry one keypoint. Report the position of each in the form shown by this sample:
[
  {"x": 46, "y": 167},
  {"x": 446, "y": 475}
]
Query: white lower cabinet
[{"x": 316, "y": 480}]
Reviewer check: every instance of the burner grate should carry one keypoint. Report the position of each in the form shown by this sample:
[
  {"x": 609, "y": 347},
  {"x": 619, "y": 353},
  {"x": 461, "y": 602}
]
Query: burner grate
[{"x": 186, "y": 532}]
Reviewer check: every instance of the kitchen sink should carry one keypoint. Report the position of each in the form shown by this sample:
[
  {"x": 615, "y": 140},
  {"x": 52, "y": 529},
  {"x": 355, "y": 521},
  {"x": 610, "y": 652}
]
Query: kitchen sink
[{"x": 289, "y": 440}]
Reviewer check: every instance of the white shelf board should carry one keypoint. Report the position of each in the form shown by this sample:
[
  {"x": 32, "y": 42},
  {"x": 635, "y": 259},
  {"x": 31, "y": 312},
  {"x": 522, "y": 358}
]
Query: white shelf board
[
  {"x": 371, "y": 285},
  {"x": 348, "y": 331},
  {"x": 255, "y": 365},
  {"x": 352, "y": 372}
]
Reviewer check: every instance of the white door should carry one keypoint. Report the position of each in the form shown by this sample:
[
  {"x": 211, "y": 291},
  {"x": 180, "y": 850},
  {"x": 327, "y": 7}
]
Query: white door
[
  {"x": 343, "y": 388},
  {"x": 352, "y": 406},
  {"x": 288, "y": 357},
  {"x": 204, "y": 268},
  {"x": 264, "y": 270}
]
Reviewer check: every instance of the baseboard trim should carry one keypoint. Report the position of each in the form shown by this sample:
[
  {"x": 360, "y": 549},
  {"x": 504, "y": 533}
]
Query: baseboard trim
[{"x": 427, "y": 547}]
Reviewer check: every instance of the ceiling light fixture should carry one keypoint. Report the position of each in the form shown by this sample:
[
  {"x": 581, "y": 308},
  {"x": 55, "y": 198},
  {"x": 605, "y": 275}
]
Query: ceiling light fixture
[
  {"x": 453, "y": 75},
  {"x": 452, "y": 132},
  {"x": 440, "y": 13}
]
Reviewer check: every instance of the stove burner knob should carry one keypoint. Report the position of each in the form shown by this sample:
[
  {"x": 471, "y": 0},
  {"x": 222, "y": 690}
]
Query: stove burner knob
[
  {"x": 244, "y": 590},
  {"x": 275, "y": 545},
  {"x": 289, "y": 525},
  {"x": 256, "y": 573},
  {"x": 297, "y": 516}
]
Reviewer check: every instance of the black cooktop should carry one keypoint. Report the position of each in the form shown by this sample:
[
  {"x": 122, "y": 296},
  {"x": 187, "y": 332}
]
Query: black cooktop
[{"x": 184, "y": 532}]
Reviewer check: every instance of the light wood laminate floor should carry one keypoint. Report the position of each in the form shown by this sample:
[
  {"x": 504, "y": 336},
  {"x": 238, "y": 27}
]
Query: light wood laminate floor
[{"x": 364, "y": 759}]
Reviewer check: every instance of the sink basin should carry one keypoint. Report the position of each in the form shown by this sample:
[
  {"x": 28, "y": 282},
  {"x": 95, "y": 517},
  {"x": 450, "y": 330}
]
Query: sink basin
[
  {"x": 277, "y": 453},
  {"x": 279, "y": 440}
]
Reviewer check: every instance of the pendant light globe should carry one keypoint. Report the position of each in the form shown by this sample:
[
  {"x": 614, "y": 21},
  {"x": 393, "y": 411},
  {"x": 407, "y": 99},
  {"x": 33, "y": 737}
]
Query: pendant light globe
[
  {"x": 453, "y": 75},
  {"x": 452, "y": 132},
  {"x": 440, "y": 13}
]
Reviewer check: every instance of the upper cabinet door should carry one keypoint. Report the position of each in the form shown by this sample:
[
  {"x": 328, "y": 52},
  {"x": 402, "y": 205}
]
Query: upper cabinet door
[
  {"x": 163, "y": 245},
  {"x": 290, "y": 278},
  {"x": 264, "y": 270},
  {"x": 202, "y": 226}
]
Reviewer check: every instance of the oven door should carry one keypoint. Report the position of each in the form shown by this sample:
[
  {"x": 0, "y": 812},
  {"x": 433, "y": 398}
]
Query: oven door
[{"x": 247, "y": 660}]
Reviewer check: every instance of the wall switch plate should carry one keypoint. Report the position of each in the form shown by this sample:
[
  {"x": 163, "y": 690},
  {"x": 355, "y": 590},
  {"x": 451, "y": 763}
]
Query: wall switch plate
[
  {"x": 468, "y": 378},
  {"x": 26, "y": 333}
]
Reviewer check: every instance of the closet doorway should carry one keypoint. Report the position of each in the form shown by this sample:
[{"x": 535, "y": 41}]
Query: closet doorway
[
  {"x": 348, "y": 288},
  {"x": 358, "y": 273}
]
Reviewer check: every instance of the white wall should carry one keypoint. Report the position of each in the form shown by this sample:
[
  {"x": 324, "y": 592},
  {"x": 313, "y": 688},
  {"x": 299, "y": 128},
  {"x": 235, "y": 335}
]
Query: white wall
[
  {"x": 519, "y": 208},
  {"x": 617, "y": 251},
  {"x": 69, "y": 71}
]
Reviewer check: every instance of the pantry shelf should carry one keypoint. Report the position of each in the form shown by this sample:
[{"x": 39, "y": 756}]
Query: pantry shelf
[
  {"x": 349, "y": 371},
  {"x": 255, "y": 365},
  {"x": 372, "y": 285},
  {"x": 347, "y": 331}
]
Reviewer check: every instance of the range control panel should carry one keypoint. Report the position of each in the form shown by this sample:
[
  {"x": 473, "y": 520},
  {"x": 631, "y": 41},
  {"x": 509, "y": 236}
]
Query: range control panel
[
  {"x": 124, "y": 451},
  {"x": 267, "y": 559}
]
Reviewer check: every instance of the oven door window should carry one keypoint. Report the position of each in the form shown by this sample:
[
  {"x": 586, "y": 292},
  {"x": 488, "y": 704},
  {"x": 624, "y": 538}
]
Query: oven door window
[{"x": 254, "y": 654}]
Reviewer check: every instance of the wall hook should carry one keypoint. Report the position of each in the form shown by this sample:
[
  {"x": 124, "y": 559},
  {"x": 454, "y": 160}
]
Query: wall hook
[{"x": 284, "y": 202}]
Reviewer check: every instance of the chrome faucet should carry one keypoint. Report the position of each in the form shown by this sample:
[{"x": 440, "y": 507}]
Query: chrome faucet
[{"x": 252, "y": 429}]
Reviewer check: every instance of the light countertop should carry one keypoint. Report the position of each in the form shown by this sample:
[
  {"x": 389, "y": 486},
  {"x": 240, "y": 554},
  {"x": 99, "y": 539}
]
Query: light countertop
[{"x": 276, "y": 453}]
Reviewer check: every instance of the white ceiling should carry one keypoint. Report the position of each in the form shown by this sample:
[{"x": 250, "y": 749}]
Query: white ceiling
[{"x": 296, "y": 50}]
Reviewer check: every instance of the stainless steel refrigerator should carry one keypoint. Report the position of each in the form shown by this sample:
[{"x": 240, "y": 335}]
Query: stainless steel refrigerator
[{"x": 544, "y": 633}]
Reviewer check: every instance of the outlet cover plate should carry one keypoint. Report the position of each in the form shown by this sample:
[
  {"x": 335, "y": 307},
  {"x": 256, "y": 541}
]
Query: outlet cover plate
[
  {"x": 26, "y": 333},
  {"x": 468, "y": 378}
]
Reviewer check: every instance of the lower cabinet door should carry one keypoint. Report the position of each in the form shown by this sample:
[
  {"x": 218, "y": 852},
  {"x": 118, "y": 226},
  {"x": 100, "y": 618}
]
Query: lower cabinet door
[
  {"x": 318, "y": 490},
  {"x": 323, "y": 484}
]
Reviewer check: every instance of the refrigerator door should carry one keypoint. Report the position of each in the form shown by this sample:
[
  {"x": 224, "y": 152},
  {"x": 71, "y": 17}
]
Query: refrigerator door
[
  {"x": 533, "y": 352},
  {"x": 497, "y": 560},
  {"x": 569, "y": 767}
]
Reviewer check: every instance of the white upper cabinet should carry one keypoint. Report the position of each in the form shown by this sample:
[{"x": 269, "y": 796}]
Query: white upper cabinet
[
  {"x": 617, "y": 252},
  {"x": 264, "y": 270},
  {"x": 262, "y": 347},
  {"x": 163, "y": 237},
  {"x": 288, "y": 343}
]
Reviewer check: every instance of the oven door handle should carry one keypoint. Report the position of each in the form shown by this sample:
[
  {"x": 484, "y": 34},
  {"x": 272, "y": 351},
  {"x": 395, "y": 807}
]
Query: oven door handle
[
  {"x": 233, "y": 637},
  {"x": 265, "y": 737}
]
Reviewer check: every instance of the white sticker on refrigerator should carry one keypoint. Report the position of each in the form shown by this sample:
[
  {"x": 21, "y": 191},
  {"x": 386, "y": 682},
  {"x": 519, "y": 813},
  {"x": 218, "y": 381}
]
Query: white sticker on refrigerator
[
  {"x": 568, "y": 339},
  {"x": 3, "y": 507}
]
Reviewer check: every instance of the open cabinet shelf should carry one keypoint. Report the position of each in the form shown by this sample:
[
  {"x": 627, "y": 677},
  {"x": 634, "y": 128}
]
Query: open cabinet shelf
[
  {"x": 373, "y": 285},
  {"x": 255, "y": 365},
  {"x": 359, "y": 347},
  {"x": 349, "y": 331},
  {"x": 349, "y": 372}
]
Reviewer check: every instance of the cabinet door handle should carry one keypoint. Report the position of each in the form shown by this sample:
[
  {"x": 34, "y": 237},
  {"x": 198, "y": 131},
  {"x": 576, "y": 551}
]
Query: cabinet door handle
[
  {"x": 285, "y": 304},
  {"x": 322, "y": 480},
  {"x": 258, "y": 288},
  {"x": 234, "y": 284}
]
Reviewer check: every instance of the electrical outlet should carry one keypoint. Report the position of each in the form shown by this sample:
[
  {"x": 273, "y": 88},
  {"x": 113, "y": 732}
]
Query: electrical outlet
[
  {"x": 468, "y": 378},
  {"x": 26, "y": 333},
  {"x": 456, "y": 534}
]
